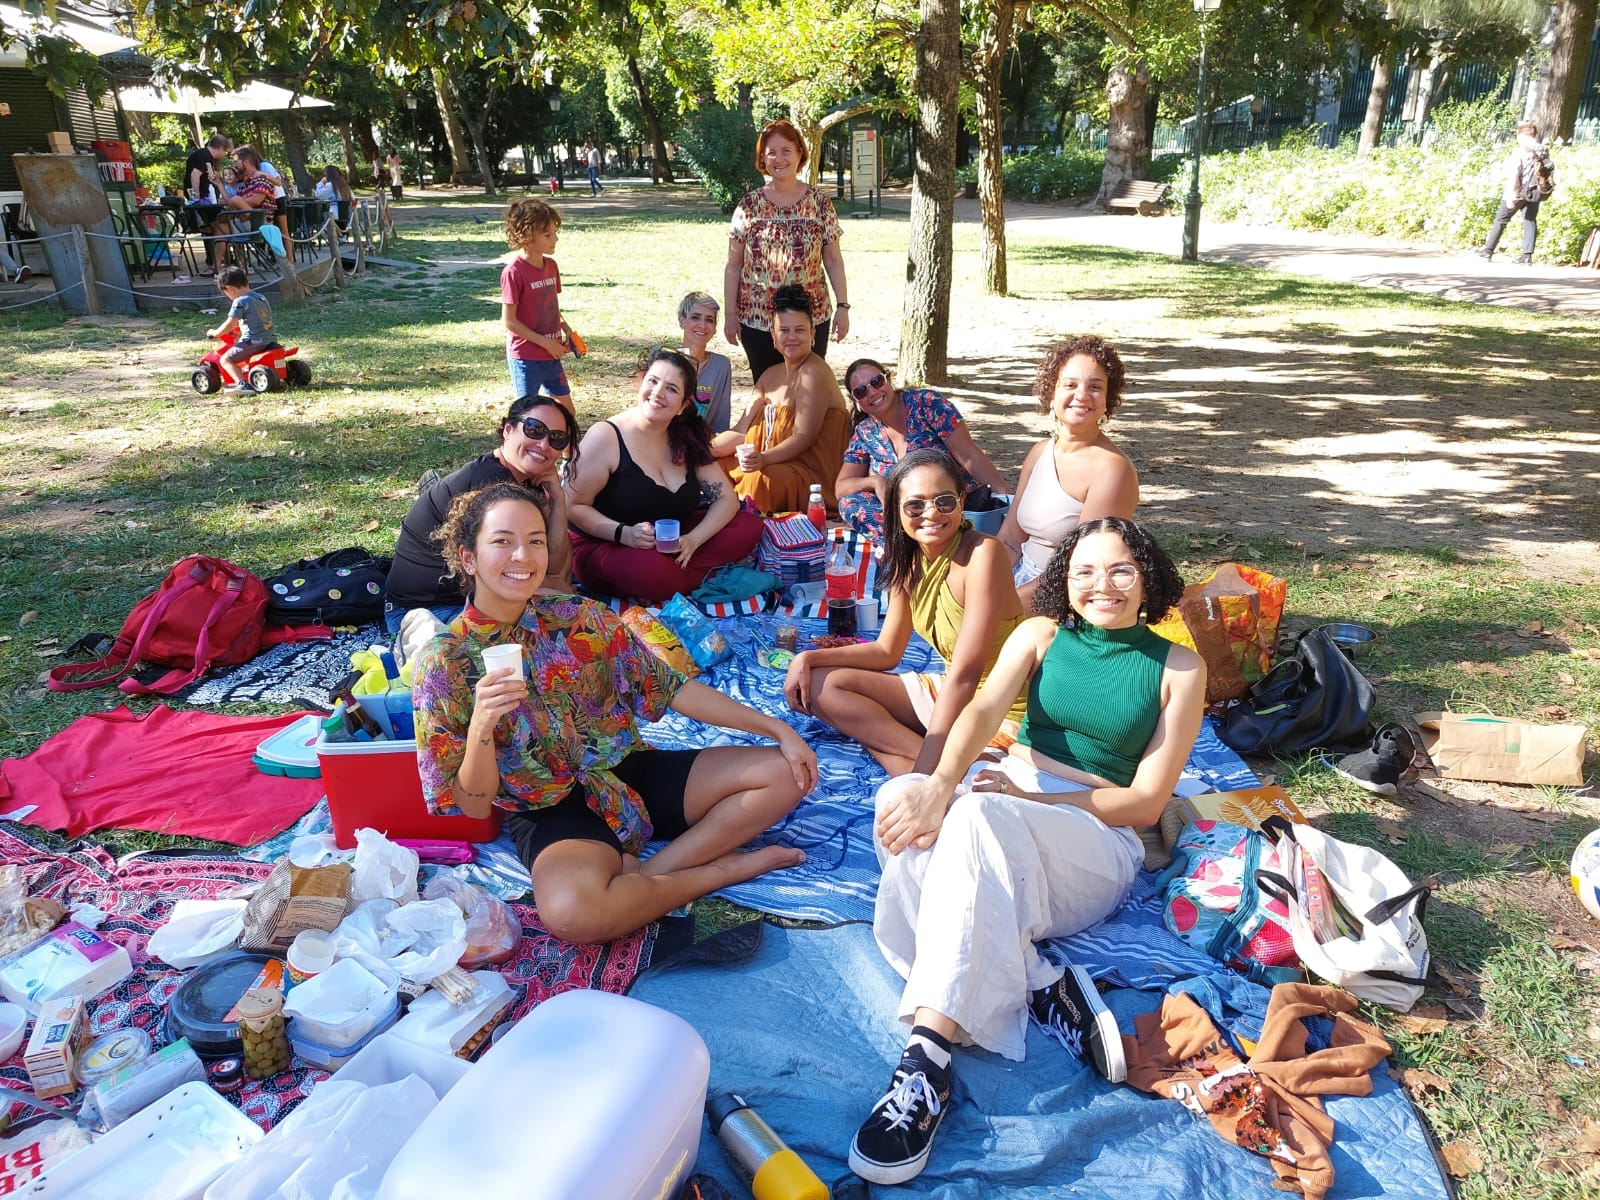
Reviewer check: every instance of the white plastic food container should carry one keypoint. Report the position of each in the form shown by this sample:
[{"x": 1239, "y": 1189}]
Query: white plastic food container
[
  {"x": 577, "y": 1069},
  {"x": 171, "y": 1150},
  {"x": 340, "y": 1006}
]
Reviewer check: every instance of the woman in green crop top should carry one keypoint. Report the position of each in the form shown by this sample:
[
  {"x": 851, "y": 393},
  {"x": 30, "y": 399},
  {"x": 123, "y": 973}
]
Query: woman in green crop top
[
  {"x": 950, "y": 584},
  {"x": 981, "y": 861}
]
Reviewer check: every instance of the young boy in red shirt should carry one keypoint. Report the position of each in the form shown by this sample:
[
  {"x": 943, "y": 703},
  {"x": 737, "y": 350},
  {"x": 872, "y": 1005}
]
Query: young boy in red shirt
[{"x": 536, "y": 335}]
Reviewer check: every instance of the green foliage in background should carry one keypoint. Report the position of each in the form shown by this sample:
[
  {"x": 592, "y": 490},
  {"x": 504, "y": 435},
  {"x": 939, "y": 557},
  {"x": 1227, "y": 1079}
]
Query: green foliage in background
[
  {"x": 719, "y": 143},
  {"x": 1444, "y": 192}
]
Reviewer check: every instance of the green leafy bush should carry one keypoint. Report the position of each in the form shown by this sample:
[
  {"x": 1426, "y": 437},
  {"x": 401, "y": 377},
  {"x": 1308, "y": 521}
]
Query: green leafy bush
[
  {"x": 719, "y": 144},
  {"x": 1445, "y": 192}
]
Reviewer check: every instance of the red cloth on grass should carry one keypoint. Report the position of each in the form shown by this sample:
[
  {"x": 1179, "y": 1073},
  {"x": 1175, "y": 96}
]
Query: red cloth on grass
[{"x": 178, "y": 772}]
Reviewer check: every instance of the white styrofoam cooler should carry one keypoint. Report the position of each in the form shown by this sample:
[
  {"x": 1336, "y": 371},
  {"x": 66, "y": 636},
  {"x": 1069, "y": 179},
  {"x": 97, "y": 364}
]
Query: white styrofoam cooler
[{"x": 590, "y": 1095}]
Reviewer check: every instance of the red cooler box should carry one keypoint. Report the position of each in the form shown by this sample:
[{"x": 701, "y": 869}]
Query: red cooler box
[{"x": 375, "y": 785}]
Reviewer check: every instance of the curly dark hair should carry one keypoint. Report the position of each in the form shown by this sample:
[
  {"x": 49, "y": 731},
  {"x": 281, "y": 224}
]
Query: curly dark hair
[
  {"x": 464, "y": 522},
  {"x": 1057, "y": 357},
  {"x": 523, "y": 405},
  {"x": 901, "y": 555},
  {"x": 528, "y": 216},
  {"x": 1163, "y": 586},
  {"x": 792, "y": 297},
  {"x": 688, "y": 436}
]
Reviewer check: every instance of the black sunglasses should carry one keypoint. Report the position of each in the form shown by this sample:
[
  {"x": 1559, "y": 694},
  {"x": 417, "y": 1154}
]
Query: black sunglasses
[
  {"x": 536, "y": 430},
  {"x": 861, "y": 389}
]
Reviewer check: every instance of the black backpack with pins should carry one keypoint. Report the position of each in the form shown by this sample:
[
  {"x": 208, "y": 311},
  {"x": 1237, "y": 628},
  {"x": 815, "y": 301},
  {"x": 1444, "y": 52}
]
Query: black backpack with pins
[{"x": 344, "y": 587}]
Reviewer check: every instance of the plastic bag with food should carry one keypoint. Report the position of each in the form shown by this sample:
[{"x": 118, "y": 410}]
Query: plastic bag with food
[{"x": 493, "y": 931}]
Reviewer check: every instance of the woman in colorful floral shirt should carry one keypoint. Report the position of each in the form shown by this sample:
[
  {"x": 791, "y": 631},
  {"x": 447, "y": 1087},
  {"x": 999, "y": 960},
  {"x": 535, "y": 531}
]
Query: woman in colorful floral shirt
[
  {"x": 561, "y": 749},
  {"x": 785, "y": 232},
  {"x": 890, "y": 422}
]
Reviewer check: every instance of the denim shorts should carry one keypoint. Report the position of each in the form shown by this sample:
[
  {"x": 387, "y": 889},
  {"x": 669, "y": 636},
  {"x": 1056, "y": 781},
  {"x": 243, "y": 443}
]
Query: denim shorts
[{"x": 531, "y": 376}]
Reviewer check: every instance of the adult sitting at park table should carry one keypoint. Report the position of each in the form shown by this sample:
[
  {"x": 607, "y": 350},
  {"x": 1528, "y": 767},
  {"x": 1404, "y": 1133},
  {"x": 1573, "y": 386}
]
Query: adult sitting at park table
[
  {"x": 335, "y": 189},
  {"x": 890, "y": 422},
  {"x": 652, "y": 463},
  {"x": 1077, "y": 473},
  {"x": 783, "y": 232},
  {"x": 557, "y": 743},
  {"x": 697, "y": 317},
  {"x": 798, "y": 427},
  {"x": 949, "y": 583},
  {"x": 255, "y": 189},
  {"x": 535, "y": 436},
  {"x": 980, "y": 864}
]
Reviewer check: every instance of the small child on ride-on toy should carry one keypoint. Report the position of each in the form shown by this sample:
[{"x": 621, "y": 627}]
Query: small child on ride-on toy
[{"x": 251, "y": 315}]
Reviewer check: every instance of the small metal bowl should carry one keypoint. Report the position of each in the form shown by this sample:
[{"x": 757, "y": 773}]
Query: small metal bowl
[{"x": 1355, "y": 640}]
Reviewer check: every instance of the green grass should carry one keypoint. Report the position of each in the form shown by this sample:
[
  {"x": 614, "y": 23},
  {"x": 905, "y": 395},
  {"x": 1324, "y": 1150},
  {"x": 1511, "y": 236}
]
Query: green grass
[{"x": 111, "y": 468}]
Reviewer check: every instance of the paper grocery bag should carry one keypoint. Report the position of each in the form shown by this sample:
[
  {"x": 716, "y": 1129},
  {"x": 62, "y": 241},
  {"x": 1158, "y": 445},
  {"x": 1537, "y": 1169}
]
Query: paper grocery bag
[{"x": 1502, "y": 749}]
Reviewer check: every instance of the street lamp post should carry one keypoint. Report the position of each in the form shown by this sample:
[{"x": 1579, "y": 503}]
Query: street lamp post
[
  {"x": 555, "y": 156},
  {"x": 1191, "y": 207},
  {"x": 416, "y": 152}
]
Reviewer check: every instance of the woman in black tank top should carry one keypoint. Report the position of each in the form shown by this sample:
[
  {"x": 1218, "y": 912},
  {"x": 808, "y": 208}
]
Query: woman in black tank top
[{"x": 650, "y": 463}]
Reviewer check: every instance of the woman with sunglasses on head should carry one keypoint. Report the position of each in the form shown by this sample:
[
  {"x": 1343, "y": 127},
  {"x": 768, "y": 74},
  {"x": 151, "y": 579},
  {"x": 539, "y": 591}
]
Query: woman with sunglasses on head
[
  {"x": 889, "y": 422},
  {"x": 947, "y": 582},
  {"x": 536, "y": 435},
  {"x": 798, "y": 425},
  {"x": 651, "y": 463},
  {"x": 1077, "y": 473},
  {"x": 983, "y": 859}
]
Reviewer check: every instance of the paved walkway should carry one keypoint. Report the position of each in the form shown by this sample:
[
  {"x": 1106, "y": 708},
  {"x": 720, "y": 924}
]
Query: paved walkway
[{"x": 1372, "y": 262}]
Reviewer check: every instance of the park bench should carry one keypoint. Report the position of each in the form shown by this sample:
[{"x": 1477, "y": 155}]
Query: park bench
[{"x": 1143, "y": 196}]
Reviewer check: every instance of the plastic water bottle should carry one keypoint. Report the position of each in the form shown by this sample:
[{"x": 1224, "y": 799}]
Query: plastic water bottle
[
  {"x": 816, "y": 509},
  {"x": 773, "y": 1171},
  {"x": 840, "y": 574}
]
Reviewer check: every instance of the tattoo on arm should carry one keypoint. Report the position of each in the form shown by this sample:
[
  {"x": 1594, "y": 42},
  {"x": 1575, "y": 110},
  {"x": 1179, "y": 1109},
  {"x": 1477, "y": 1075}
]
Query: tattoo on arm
[{"x": 711, "y": 491}]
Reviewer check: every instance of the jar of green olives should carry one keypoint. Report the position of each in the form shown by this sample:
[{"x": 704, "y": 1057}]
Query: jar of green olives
[{"x": 264, "y": 1033}]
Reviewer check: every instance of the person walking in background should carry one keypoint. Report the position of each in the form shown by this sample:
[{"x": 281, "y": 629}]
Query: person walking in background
[
  {"x": 1529, "y": 179},
  {"x": 396, "y": 174},
  {"x": 591, "y": 156}
]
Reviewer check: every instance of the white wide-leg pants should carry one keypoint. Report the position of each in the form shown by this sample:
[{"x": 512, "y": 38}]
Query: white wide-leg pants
[{"x": 960, "y": 919}]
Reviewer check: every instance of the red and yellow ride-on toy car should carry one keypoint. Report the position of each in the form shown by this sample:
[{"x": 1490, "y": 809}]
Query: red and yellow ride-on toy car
[{"x": 270, "y": 370}]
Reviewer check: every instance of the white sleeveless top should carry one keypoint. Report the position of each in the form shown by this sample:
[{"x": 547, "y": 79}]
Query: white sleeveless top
[{"x": 1045, "y": 511}]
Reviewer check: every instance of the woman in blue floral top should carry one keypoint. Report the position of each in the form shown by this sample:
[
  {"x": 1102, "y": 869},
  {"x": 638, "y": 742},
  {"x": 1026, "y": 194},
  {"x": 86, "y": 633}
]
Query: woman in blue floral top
[
  {"x": 561, "y": 749},
  {"x": 890, "y": 422}
]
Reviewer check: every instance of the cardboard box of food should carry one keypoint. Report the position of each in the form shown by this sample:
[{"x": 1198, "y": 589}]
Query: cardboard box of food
[
  {"x": 60, "y": 142},
  {"x": 58, "y": 1038}
]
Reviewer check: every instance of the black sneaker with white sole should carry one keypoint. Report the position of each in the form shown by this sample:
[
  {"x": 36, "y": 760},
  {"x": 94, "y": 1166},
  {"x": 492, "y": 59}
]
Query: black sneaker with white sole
[
  {"x": 1378, "y": 768},
  {"x": 892, "y": 1144},
  {"x": 1070, "y": 1011}
]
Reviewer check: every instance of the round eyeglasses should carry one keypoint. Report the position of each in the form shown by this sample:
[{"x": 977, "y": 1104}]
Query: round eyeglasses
[
  {"x": 861, "y": 389},
  {"x": 1123, "y": 576}
]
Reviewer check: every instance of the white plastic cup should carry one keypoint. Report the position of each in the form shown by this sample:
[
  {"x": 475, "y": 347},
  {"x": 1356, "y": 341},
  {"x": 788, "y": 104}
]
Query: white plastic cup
[
  {"x": 746, "y": 454},
  {"x": 667, "y": 534},
  {"x": 310, "y": 954},
  {"x": 867, "y": 615},
  {"x": 507, "y": 657}
]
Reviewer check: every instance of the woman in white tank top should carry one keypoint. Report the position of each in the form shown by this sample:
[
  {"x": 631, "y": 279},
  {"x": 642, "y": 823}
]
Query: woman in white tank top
[{"x": 1076, "y": 474}]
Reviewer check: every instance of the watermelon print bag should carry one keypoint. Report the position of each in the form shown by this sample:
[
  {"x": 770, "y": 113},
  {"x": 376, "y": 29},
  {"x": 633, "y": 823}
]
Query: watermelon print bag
[{"x": 1210, "y": 898}]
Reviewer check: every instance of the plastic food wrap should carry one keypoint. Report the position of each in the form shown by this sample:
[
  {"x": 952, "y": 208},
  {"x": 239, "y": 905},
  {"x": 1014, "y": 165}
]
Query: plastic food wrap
[{"x": 493, "y": 930}]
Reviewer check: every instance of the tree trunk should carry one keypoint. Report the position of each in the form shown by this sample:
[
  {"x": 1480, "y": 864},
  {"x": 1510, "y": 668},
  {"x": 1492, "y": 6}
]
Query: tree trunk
[
  {"x": 1127, "y": 151},
  {"x": 348, "y": 141},
  {"x": 994, "y": 43},
  {"x": 479, "y": 150},
  {"x": 925, "y": 310},
  {"x": 445, "y": 96},
  {"x": 660, "y": 168},
  {"x": 1377, "y": 102},
  {"x": 294, "y": 149},
  {"x": 370, "y": 148},
  {"x": 1557, "y": 111}
]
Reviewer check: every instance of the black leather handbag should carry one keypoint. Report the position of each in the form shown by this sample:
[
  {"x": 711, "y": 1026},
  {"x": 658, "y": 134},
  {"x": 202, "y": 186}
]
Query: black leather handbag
[{"x": 1316, "y": 698}]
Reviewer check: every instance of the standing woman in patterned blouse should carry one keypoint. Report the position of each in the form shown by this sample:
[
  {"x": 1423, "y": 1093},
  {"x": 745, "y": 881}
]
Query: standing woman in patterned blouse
[
  {"x": 560, "y": 748},
  {"x": 784, "y": 232}
]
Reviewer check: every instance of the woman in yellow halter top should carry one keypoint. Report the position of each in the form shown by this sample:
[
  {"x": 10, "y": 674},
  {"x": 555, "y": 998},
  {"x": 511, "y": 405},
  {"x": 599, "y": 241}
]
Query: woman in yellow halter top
[{"x": 947, "y": 582}]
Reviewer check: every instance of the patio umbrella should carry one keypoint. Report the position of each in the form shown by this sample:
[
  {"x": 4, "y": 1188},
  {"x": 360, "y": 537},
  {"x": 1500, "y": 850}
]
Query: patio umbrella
[
  {"x": 95, "y": 37},
  {"x": 254, "y": 96}
]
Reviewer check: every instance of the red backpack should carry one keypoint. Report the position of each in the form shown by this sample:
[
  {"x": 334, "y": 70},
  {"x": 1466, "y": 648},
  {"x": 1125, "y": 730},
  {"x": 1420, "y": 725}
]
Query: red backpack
[{"x": 206, "y": 613}]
